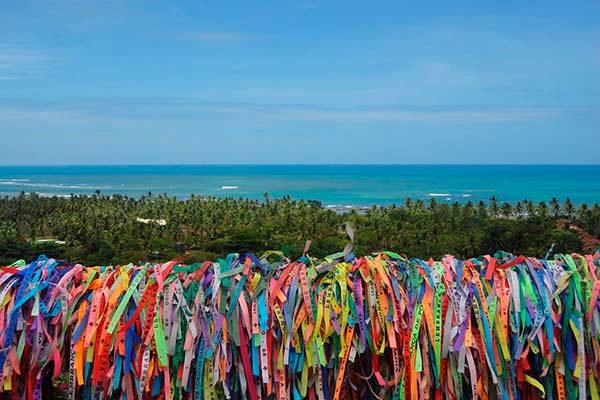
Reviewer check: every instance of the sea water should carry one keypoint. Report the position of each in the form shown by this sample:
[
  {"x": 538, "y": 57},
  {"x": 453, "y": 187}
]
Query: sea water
[{"x": 335, "y": 186}]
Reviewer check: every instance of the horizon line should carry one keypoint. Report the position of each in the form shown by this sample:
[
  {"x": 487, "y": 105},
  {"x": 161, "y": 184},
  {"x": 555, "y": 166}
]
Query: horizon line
[{"x": 308, "y": 165}]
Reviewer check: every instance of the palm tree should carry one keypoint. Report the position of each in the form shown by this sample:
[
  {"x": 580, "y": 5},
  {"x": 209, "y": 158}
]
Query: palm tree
[
  {"x": 494, "y": 240},
  {"x": 506, "y": 209},
  {"x": 542, "y": 209},
  {"x": 482, "y": 210},
  {"x": 433, "y": 204},
  {"x": 568, "y": 208},
  {"x": 530, "y": 207},
  {"x": 470, "y": 247},
  {"x": 519, "y": 210},
  {"x": 493, "y": 207},
  {"x": 469, "y": 209},
  {"x": 419, "y": 205},
  {"x": 555, "y": 207},
  {"x": 583, "y": 211}
]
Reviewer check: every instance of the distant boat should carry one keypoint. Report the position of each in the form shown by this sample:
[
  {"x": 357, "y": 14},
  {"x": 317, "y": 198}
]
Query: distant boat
[{"x": 229, "y": 187}]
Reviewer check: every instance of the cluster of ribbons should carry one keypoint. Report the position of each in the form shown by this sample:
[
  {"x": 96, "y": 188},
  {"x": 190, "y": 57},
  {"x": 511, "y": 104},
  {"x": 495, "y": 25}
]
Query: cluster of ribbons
[{"x": 375, "y": 327}]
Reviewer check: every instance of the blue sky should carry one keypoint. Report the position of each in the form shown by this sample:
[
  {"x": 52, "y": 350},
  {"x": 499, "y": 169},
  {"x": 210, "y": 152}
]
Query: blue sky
[{"x": 315, "y": 81}]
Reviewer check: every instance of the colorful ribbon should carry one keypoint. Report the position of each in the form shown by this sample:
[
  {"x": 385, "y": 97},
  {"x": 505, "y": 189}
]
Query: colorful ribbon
[{"x": 374, "y": 327}]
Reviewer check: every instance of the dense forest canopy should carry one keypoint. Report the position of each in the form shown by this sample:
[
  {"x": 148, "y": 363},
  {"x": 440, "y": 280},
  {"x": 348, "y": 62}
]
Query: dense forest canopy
[{"x": 101, "y": 229}]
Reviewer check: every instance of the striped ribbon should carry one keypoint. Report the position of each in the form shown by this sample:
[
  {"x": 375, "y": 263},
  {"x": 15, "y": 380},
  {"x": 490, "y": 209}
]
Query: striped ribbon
[{"x": 346, "y": 327}]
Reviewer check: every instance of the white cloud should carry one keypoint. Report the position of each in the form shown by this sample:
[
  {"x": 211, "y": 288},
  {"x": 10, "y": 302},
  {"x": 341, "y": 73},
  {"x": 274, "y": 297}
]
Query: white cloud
[
  {"x": 22, "y": 63},
  {"x": 216, "y": 37},
  {"x": 593, "y": 4},
  {"x": 142, "y": 111},
  {"x": 307, "y": 114}
]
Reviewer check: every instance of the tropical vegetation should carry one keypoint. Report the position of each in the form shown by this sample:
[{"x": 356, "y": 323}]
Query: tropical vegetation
[{"x": 103, "y": 229}]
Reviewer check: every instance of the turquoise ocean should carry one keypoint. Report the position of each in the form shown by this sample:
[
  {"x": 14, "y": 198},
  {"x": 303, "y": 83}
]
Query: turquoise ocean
[{"x": 335, "y": 186}]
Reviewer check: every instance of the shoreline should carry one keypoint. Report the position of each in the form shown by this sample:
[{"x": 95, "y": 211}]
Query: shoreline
[
  {"x": 339, "y": 209},
  {"x": 440, "y": 198},
  {"x": 337, "y": 187}
]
